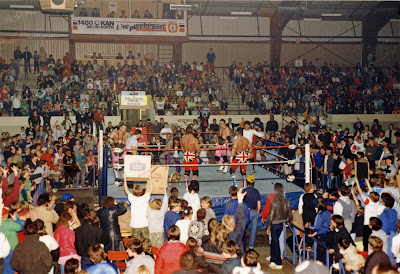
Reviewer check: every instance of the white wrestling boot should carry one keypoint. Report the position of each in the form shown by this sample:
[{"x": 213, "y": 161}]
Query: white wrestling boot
[
  {"x": 225, "y": 170},
  {"x": 220, "y": 168}
]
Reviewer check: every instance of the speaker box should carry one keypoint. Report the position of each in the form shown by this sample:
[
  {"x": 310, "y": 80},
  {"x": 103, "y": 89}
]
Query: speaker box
[{"x": 58, "y": 5}]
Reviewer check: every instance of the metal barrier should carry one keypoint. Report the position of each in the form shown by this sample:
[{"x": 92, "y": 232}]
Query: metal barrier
[{"x": 304, "y": 251}]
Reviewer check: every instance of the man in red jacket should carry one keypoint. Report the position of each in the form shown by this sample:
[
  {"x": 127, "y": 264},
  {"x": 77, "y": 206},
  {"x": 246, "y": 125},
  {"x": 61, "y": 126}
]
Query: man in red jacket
[{"x": 169, "y": 255}]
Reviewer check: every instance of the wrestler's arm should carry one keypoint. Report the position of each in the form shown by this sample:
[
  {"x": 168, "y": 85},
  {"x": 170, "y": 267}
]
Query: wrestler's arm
[
  {"x": 197, "y": 147},
  {"x": 249, "y": 147},
  {"x": 233, "y": 150}
]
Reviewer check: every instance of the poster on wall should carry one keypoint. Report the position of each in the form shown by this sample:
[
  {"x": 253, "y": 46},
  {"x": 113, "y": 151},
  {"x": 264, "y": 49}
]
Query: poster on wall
[
  {"x": 133, "y": 99},
  {"x": 128, "y": 26},
  {"x": 113, "y": 7}
]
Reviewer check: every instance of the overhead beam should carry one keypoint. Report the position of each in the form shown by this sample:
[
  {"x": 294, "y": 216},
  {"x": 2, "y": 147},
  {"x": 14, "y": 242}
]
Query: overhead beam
[
  {"x": 371, "y": 26},
  {"x": 278, "y": 22}
]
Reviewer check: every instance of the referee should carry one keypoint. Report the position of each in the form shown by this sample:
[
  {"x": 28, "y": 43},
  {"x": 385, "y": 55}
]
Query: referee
[{"x": 133, "y": 142}]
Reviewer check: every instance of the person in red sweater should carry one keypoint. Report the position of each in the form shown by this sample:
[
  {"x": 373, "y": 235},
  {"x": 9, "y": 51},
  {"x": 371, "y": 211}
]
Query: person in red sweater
[
  {"x": 99, "y": 120},
  {"x": 169, "y": 255},
  {"x": 10, "y": 192},
  {"x": 48, "y": 157}
]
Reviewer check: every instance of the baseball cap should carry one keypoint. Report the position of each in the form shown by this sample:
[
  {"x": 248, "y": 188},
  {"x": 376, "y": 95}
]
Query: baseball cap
[
  {"x": 187, "y": 210},
  {"x": 67, "y": 196},
  {"x": 250, "y": 179}
]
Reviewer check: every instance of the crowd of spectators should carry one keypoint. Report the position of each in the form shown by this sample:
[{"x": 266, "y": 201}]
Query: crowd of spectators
[
  {"x": 321, "y": 87},
  {"x": 66, "y": 86},
  {"x": 43, "y": 157},
  {"x": 135, "y": 14}
]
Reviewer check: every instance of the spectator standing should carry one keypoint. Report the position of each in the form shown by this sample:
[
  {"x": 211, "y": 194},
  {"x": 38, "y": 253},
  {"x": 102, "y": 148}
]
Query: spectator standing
[
  {"x": 168, "y": 256},
  {"x": 36, "y": 60},
  {"x": 31, "y": 255},
  {"x": 139, "y": 207},
  {"x": 166, "y": 130},
  {"x": 211, "y": 56},
  {"x": 253, "y": 201},
  {"x": 42, "y": 57},
  {"x": 45, "y": 212},
  {"x": 18, "y": 57},
  {"x": 108, "y": 215},
  {"x": 27, "y": 55},
  {"x": 279, "y": 213}
]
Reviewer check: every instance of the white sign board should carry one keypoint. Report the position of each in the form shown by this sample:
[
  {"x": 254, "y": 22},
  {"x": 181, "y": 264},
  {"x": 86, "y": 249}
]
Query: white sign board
[
  {"x": 133, "y": 99},
  {"x": 137, "y": 167},
  {"x": 128, "y": 26}
]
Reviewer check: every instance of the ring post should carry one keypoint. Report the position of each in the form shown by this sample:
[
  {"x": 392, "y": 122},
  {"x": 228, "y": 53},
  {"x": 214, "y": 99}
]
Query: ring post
[
  {"x": 100, "y": 161},
  {"x": 308, "y": 163}
]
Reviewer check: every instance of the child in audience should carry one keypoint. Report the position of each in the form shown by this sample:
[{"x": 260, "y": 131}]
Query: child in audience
[
  {"x": 377, "y": 256},
  {"x": 396, "y": 245},
  {"x": 250, "y": 263},
  {"x": 307, "y": 209},
  {"x": 139, "y": 207},
  {"x": 351, "y": 259},
  {"x": 231, "y": 252},
  {"x": 184, "y": 224},
  {"x": 389, "y": 219},
  {"x": 373, "y": 208},
  {"x": 375, "y": 224},
  {"x": 172, "y": 216},
  {"x": 207, "y": 205},
  {"x": 197, "y": 228},
  {"x": 155, "y": 215}
]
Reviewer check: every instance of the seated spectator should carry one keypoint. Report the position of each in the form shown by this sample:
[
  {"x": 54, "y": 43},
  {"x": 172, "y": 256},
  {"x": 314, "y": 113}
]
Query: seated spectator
[
  {"x": 135, "y": 250},
  {"x": 98, "y": 256},
  {"x": 249, "y": 263},
  {"x": 231, "y": 252}
]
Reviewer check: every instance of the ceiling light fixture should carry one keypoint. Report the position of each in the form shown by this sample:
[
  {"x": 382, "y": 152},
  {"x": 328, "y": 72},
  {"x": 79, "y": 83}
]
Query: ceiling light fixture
[
  {"x": 21, "y": 6},
  {"x": 331, "y": 14},
  {"x": 312, "y": 19},
  {"x": 228, "y": 17},
  {"x": 241, "y": 13}
]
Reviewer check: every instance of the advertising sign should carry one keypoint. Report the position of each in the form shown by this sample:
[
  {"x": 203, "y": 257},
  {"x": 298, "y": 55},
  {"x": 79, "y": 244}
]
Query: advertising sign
[
  {"x": 137, "y": 167},
  {"x": 128, "y": 26},
  {"x": 133, "y": 99}
]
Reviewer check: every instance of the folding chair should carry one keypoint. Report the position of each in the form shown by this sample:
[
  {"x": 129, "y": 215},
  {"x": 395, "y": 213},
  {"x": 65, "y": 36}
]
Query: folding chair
[
  {"x": 119, "y": 258},
  {"x": 126, "y": 240}
]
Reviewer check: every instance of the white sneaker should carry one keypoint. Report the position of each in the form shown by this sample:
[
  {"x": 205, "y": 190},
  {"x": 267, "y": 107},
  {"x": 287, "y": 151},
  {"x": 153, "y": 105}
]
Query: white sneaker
[
  {"x": 336, "y": 266},
  {"x": 225, "y": 170},
  {"x": 268, "y": 258},
  {"x": 275, "y": 266},
  {"x": 220, "y": 168}
]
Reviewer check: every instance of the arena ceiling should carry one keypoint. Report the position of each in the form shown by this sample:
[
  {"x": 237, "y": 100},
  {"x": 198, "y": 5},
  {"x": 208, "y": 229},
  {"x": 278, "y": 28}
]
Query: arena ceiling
[{"x": 348, "y": 10}]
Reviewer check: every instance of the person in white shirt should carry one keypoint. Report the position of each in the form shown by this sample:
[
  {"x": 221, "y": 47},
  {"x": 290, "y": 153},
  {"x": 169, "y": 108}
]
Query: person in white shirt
[
  {"x": 184, "y": 224},
  {"x": 16, "y": 104},
  {"x": 139, "y": 208},
  {"x": 155, "y": 215},
  {"x": 396, "y": 245},
  {"x": 373, "y": 208},
  {"x": 166, "y": 129},
  {"x": 192, "y": 197},
  {"x": 375, "y": 224},
  {"x": 249, "y": 133},
  {"x": 345, "y": 207},
  {"x": 135, "y": 250},
  {"x": 4, "y": 248},
  {"x": 298, "y": 62}
]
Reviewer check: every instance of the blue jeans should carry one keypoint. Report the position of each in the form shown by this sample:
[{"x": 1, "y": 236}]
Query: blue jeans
[
  {"x": 389, "y": 250},
  {"x": 7, "y": 264},
  {"x": 253, "y": 228},
  {"x": 276, "y": 230}
]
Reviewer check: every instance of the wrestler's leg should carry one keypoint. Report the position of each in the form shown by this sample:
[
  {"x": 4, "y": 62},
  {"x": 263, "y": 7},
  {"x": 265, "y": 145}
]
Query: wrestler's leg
[
  {"x": 233, "y": 168},
  {"x": 187, "y": 173},
  {"x": 195, "y": 169},
  {"x": 225, "y": 161},
  {"x": 219, "y": 161},
  {"x": 243, "y": 172}
]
